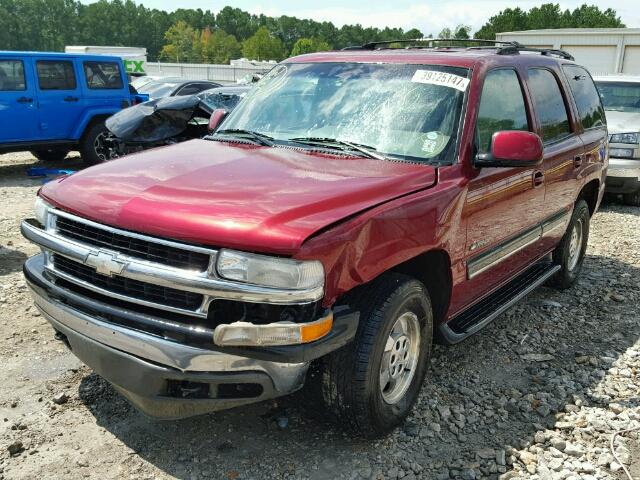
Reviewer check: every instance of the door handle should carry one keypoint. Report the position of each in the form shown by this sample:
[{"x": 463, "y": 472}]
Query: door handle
[
  {"x": 577, "y": 161},
  {"x": 538, "y": 178},
  {"x": 24, "y": 100},
  {"x": 71, "y": 99}
]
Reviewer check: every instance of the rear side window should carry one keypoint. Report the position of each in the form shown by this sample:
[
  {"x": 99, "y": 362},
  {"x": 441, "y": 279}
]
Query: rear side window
[
  {"x": 12, "y": 76},
  {"x": 549, "y": 105},
  {"x": 102, "y": 75},
  {"x": 586, "y": 96},
  {"x": 55, "y": 75},
  {"x": 502, "y": 107}
]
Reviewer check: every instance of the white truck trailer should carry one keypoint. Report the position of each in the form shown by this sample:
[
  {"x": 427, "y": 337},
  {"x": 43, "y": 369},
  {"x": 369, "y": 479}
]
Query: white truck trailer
[
  {"x": 604, "y": 51},
  {"x": 135, "y": 58}
]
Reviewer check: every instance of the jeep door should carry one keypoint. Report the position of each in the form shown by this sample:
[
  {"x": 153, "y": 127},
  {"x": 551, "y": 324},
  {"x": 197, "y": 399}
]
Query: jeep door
[
  {"x": 18, "y": 107},
  {"x": 59, "y": 97},
  {"x": 104, "y": 84},
  {"x": 502, "y": 206}
]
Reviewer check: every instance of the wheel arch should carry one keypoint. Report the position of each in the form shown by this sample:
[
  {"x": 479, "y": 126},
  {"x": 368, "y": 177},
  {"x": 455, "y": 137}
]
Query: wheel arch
[
  {"x": 89, "y": 119},
  {"x": 433, "y": 269},
  {"x": 589, "y": 193}
]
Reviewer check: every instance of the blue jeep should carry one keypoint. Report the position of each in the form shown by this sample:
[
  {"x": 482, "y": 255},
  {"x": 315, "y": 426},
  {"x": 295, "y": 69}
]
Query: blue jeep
[{"x": 51, "y": 103}]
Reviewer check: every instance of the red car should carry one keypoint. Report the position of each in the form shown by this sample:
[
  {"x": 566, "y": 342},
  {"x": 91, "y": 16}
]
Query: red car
[{"x": 354, "y": 207}]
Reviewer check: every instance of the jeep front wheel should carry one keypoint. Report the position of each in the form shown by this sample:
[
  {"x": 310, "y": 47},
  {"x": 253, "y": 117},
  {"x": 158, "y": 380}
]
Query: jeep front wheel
[
  {"x": 371, "y": 384},
  {"x": 93, "y": 146}
]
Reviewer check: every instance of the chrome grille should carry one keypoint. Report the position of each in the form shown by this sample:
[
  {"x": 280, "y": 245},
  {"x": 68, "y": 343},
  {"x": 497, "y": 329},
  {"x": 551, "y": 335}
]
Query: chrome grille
[
  {"x": 125, "y": 286},
  {"x": 132, "y": 246}
]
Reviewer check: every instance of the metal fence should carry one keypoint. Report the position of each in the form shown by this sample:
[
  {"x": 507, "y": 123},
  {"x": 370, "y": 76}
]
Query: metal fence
[{"x": 203, "y": 71}]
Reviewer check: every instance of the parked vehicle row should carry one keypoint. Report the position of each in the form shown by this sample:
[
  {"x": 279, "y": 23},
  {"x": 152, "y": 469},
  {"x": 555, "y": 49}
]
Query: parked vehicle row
[
  {"x": 51, "y": 103},
  {"x": 353, "y": 208}
]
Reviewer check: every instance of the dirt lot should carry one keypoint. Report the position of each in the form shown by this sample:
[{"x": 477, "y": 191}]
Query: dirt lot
[{"x": 537, "y": 394}]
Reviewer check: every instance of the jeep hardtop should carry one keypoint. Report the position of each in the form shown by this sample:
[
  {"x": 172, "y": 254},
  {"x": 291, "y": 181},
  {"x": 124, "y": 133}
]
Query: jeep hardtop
[
  {"x": 353, "y": 208},
  {"x": 51, "y": 103}
]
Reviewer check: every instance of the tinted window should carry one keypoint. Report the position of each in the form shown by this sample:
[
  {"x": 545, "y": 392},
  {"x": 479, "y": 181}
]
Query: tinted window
[
  {"x": 501, "y": 107},
  {"x": 56, "y": 75},
  {"x": 190, "y": 89},
  {"x": 549, "y": 105},
  {"x": 586, "y": 96},
  {"x": 102, "y": 75},
  {"x": 12, "y": 75}
]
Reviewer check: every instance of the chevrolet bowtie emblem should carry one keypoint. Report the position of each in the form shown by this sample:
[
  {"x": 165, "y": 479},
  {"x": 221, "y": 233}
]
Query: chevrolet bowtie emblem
[{"x": 105, "y": 263}]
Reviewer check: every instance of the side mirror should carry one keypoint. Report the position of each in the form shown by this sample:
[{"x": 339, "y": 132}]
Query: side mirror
[
  {"x": 512, "y": 148},
  {"x": 216, "y": 118}
]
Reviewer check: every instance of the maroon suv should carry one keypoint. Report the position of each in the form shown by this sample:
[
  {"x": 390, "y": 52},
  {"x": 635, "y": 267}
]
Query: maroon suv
[{"x": 353, "y": 208}]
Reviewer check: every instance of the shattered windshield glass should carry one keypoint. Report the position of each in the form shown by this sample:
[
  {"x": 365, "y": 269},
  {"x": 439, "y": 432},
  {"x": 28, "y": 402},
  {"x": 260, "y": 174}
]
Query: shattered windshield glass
[{"x": 399, "y": 111}]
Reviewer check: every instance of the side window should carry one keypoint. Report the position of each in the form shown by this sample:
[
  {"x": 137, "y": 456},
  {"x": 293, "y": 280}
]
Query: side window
[
  {"x": 102, "y": 75},
  {"x": 501, "y": 107},
  {"x": 586, "y": 96},
  {"x": 549, "y": 105},
  {"x": 189, "y": 89},
  {"x": 55, "y": 75},
  {"x": 12, "y": 76}
]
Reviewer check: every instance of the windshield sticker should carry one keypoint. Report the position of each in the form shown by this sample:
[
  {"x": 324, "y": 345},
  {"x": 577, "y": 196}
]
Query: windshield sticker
[
  {"x": 434, "y": 143},
  {"x": 443, "y": 79}
]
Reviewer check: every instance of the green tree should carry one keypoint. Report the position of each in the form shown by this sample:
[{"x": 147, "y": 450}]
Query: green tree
[
  {"x": 462, "y": 32},
  {"x": 309, "y": 45},
  {"x": 181, "y": 39},
  {"x": 218, "y": 46},
  {"x": 263, "y": 46},
  {"x": 549, "y": 15}
]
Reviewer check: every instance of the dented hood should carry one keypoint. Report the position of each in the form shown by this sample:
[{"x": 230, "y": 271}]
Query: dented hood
[{"x": 229, "y": 195}]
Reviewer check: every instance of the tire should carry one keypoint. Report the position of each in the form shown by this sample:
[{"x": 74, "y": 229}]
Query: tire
[
  {"x": 632, "y": 199},
  {"x": 50, "y": 154},
  {"x": 349, "y": 379},
  {"x": 89, "y": 145},
  {"x": 570, "y": 252}
]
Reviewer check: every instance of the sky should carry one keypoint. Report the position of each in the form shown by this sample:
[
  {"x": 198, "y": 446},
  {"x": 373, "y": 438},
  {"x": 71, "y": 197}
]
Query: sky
[{"x": 429, "y": 16}]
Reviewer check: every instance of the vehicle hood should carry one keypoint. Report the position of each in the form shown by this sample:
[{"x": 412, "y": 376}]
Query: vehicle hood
[
  {"x": 622, "y": 122},
  {"x": 231, "y": 195}
]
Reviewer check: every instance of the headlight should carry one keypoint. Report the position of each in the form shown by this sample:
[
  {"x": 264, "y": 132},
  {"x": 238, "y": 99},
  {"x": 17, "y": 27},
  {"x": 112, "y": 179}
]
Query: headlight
[
  {"x": 625, "y": 137},
  {"x": 270, "y": 271},
  {"x": 41, "y": 211}
]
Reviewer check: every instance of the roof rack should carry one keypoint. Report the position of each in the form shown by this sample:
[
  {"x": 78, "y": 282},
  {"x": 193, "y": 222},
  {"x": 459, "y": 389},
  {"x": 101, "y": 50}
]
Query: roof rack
[
  {"x": 429, "y": 41},
  {"x": 503, "y": 47}
]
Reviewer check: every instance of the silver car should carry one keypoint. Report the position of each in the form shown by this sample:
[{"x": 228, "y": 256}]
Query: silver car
[{"x": 621, "y": 100}]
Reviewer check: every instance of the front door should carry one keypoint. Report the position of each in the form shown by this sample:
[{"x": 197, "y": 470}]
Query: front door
[
  {"x": 18, "y": 107},
  {"x": 503, "y": 205},
  {"x": 60, "y": 99}
]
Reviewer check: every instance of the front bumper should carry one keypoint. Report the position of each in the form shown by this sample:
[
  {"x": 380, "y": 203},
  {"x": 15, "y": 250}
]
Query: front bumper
[
  {"x": 167, "y": 379},
  {"x": 623, "y": 175}
]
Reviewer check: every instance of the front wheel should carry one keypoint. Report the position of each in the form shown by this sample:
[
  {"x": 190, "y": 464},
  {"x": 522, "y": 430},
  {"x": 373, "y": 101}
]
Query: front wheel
[
  {"x": 94, "y": 148},
  {"x": 570, "y": 252},
  {"x": 371, "y": 384}
]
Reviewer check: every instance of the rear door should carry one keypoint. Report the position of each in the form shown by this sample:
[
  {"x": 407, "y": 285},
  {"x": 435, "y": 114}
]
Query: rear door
[
  {"x": 60, "y": 102},
  {"x": 18, "y": 108},
  {"x": 103, "y": 84},
  {"x": 591, "y": 118},
  {"x": 563, "y": 149}
]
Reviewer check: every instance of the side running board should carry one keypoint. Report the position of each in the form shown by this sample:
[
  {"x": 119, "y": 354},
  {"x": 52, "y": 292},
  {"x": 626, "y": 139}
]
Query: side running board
[{"x": 477, "y": 316}]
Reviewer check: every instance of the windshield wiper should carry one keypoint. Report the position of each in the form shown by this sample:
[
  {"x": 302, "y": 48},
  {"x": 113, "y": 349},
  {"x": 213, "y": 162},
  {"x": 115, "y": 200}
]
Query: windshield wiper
[
  {"x": 365, "y": 150},
  {"x": 257, "y": 137}
]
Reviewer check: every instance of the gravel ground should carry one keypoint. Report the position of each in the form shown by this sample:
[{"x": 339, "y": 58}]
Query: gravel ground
[{"x": 535, "y": 395}]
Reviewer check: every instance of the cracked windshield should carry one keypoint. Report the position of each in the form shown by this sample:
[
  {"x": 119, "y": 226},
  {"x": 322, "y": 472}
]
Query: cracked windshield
[{"x": 406, "y": 112}]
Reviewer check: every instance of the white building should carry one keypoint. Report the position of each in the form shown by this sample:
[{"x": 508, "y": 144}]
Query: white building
[{"x": 603, "y": 51}]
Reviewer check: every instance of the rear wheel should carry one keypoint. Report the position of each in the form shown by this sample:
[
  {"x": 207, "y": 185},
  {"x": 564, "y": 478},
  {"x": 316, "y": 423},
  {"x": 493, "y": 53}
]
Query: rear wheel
[
  {"x": 570, "y": 252},
  {"x": 632, "y": 199},
  {"x": 371, "y": 384},
  {"x": 93, "y": 145},
  {"x": 50, "y": 154}
]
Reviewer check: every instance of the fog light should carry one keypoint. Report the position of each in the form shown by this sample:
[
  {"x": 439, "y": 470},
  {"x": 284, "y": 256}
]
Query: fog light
[{"x": 280, "y": 333}]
